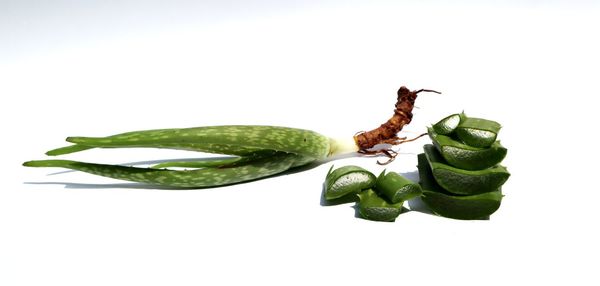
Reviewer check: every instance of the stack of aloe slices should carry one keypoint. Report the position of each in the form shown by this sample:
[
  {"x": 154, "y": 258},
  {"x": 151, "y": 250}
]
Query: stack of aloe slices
[{"x": 460, "y": 173}]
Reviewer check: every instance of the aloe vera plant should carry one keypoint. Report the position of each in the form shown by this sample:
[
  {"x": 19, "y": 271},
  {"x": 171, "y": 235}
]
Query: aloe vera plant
[{"x": 256, "y": 151}]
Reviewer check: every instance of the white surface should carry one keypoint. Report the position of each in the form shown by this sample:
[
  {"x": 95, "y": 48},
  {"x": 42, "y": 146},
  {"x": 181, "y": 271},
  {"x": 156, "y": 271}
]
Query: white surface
[{"x": 98, "y": 69}]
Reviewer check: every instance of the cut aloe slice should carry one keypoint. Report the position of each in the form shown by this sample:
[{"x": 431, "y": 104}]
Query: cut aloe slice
[
  {"x": 447, "y": 205},
  {"x": 396, "y": 188},
  {"x": 467, "y": 157},
  {"x": 373, "y": 207},
  {"x": 477, "y": 132},
  {"x": 464, "y": 182},
  {"x": 347, "y": 180},
  {"x": 448, "y": 124}
]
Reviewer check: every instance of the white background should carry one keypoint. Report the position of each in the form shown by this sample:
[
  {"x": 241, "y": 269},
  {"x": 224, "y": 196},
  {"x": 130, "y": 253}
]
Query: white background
[{"x": 96, "y": 68}]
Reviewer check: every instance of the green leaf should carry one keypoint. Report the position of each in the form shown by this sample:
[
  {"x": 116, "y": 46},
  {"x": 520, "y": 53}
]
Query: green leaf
[
  {"x": 467, "y": 157},
  {"x": 478, "y": 132},
  {"x": 347, "y": 180},
  {"x": 373, "y": 207},
  {"x": 448, "y": 124},
  {"x": 448, "y": 205},
  {"x": 396, "y": 188},
  {"x": 464, "y": 182}
]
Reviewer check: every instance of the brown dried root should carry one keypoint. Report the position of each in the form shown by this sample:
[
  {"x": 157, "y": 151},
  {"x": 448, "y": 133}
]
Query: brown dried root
[{"x": 387, "y": 132}]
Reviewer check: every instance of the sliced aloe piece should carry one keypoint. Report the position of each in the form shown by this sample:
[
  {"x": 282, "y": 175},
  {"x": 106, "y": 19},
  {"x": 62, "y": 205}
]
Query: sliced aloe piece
[
  {"x": 346, "y": 180},
  {"x": 448, "y": 124},
  {"x": 373, "y": 207},
  {"x": 447, "y": 205},
  {"x": 396, "y": 188},
  {"x": 477, "y": 132},
  {"x": 464, "y": 182},
  {"x": 467, "y": 157}
]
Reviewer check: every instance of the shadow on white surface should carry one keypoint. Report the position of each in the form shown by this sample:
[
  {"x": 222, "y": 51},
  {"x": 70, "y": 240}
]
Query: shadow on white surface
[
  {"x": 417, "y": 205},
  {"x": 69, "y": 185}
]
